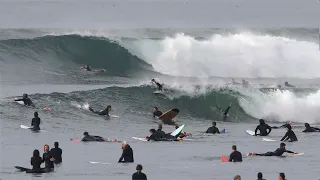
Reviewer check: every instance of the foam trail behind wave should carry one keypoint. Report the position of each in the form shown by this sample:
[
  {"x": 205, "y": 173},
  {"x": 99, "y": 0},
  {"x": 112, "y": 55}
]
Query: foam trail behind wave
[
  {"x": 284, "y": 106},
  {"x": 234, "y": 55}
]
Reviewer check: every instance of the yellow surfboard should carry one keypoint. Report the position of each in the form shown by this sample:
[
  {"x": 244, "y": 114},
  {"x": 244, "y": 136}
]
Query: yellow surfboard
[{"x": 169, "y": 115}]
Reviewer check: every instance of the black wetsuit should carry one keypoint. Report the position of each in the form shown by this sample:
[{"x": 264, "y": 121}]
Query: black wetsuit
[
  {"x": 156, "y": 136},
  {"x": 289, "y": 135},
  {"x": 263, "y": 129},
  {"x": 47, "y": 162},
  {"x": 277, "y": 152},
  {"x": 311, "y": 129},
  {"x": 102, "y": 113},
  {"x": 57, "y": 155},
  {"x": 92, "y": 138},
  {"x": 139, "y": 176},
  {"x": 158, "y": 113},
  {"x": 36, "y": 165},
  {"x": 36, "y": 124},
  {"x": 160, "y": 132},
  {"x": 26, "y": 101},
  {"x": 235, "y": 156},
  {"x": 127, "y": 155},
  {"x": 159, "y": 86},
  {"x": 213, "y": 130}
]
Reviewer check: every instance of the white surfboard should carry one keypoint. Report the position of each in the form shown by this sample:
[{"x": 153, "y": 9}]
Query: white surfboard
[
  {"x": 140, "y": 139},
  {"x": 114, "y": 116},
  {"x": 267, "y": 139},
  {"x": 27, "y": 127},
  {"x": 250, "y": 132},
  {"x": 174, "y": 133},
  {"x": 94, "y": 162},
  {"x": 299, "y": 154}
]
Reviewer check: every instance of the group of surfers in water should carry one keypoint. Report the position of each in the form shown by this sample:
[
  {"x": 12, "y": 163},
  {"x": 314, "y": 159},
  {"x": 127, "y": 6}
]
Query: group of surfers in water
[{"x": 54, "y": 155}]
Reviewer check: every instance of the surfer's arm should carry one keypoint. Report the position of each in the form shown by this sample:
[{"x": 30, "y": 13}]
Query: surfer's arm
[
  {"x": 318, "y": 129},
  {"x": 32, "y": 122},
  {"x": 121, "y": 157},
  {"x": 269, "y": 129},
  {"x": 290, "y": 152},
  {"x": 255, "y": 131},
  {"x": 285, "y": 137}
]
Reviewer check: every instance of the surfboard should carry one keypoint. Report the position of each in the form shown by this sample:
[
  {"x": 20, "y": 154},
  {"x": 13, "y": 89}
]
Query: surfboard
[
  {"x": 27, "y": 127},
  {"x": 267, "y": 139},
  {"x": 21, "y": 168},
  {"x": 169, "y": 115},
  {"x": 140, "y": 139},
  {"x": 114, "y": 116},
  {"x": 177, "y": 131},
  {"x": 288, "y": 154},
  {"x": 250, "y": 132},
  {"x": 223, "y": 131},
  {"x": 94, "y": 162}
]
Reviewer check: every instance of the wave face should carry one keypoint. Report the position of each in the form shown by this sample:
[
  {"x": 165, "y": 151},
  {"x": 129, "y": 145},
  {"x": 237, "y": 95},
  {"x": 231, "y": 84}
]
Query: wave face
[{"x": 195, "y": 66}]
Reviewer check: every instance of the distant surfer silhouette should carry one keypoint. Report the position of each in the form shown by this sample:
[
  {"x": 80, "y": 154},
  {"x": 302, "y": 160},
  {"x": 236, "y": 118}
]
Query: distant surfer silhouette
[{"x": 288, "y": 85}]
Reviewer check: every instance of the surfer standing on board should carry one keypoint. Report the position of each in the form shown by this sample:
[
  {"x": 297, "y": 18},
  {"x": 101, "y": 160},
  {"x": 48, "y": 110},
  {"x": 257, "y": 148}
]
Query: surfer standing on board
[
  {"x": 27, "y": 101},
  {"x": 262, "y": 127},
  {"x": 158, "y": 84}
]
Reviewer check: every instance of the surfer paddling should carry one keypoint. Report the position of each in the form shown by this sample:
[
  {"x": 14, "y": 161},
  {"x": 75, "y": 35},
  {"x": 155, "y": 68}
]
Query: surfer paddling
[
  {"x": 27, "y": 101},
  {"x": 103, "y": 112},
  {"x": 277, "y": 152}
]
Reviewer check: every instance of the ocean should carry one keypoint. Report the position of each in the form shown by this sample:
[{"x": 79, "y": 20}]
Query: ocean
[{"x": 195, "y": 53}]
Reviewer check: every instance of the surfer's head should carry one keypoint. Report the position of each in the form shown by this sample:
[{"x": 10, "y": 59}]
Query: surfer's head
[
  {"x": 25, "y": 95},
  {"x": 307, "y": 125},
  {"x": 56, "y": 144},
  {"x": 282, "y": 176},
  {"x": 160, "y": 126},
  {"x": 234, "y": 148},
  {"x": 85, "y": 133},
  {"x": 152, "y": 131},
  {"x": 282, "y": 145},
  {"x": 259, "y": 175},
  {"x": 36, "y": 153},
  {"x": 214, "y": 123},
  {"x": 36, "y": 114},
  {"x": 153, "y": 80},
  {"x": 139, "y": 167},
  {"x": 261, "y": 121},
  {"x": 177, "y": 126},
  {"x": 155, "y": 109},
  {"x": 109, "y": 107},
  {"x": 123, "y": 144},
  {"x": 46, "y": 148}
]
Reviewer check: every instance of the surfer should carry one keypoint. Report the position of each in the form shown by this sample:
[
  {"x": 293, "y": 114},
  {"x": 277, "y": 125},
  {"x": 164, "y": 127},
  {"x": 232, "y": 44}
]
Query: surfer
[
  {"x": 289, "y": 135},
  {"x": 245, "y": 83},
  {"x": 262, "y": 127},
  {"x": 282, "y": 176},
  {"x": 227, "y": 110},
  {"x": 260, "y": 176},
  {"x": 86, "y": 67},
  {"x": 310, "y": 129},
  {"x": 88, "y": 137},
  {"x": 56, "y": 153},
  {"x": 158, "y": 84},
  {"x": 26, "y": 100},
  {"x": 288, "y": 85},
  {"x": 139, "y": 175},
  {"x": 156, "y": 136},
  {"x": 277, "y": 152},
  {"x": 36, "y": 162},
  {"x": 35, "y": 123},
  {"x": 160, "y": 130},
  {"x": 103, "y": 112},
  {"x": 127, "y": 153},
  {"x": 213, "y": 129},
  {"x": 47, "y": 159},
  {"x": 235, "y": 156},
  {"x": 280, "y": 88},
  {"x": 156, "y": 112}
]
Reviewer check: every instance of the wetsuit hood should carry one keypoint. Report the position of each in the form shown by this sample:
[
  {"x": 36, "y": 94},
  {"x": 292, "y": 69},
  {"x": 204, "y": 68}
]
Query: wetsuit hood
[
  {"x": 56, "y": 144},
  {"x": 214, "y": 124},
  {"x": 307, "y": 125},
  {"x": 262, "y": 122},
  {"x": 85, "y": 133},
  {"x": 36, "y": 114},
  {"x": 36, "y": 153},
  {"x": 25, "y": 95}
]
